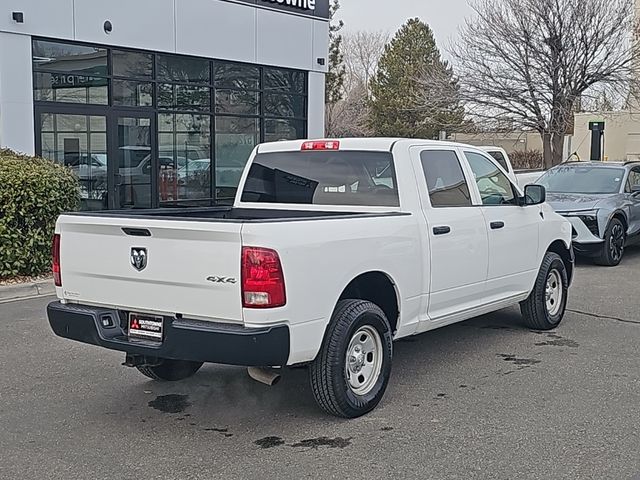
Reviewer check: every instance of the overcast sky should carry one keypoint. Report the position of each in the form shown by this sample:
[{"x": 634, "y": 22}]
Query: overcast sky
[{"x": 443, "y": 16}]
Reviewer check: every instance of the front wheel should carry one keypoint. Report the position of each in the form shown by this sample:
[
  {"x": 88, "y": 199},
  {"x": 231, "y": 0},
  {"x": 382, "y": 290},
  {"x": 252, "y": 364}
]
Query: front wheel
[
  {"x": 350, "y": 374},
  {"x": 545, "y": 307},
  {"x": 170, "y": 370},
  {"x": 614, "y": 242}
]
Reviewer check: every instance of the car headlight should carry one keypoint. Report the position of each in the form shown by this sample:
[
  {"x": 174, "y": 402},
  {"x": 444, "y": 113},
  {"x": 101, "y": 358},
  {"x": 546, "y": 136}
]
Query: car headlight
[{"x": 589, "y": 218}]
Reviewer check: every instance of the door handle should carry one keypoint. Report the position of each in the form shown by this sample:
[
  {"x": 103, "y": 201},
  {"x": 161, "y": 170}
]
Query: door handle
[
  {"x": 441, "y": 230},
  {"x": 497, "y": 225}
]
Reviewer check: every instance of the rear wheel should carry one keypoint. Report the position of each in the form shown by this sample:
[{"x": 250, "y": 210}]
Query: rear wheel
[
  {"x": 545, "y": 307},
  {"x": 352, "y": 370},
  {"x": 170, "y": 370},
  {"x": 614, "y": 242}
]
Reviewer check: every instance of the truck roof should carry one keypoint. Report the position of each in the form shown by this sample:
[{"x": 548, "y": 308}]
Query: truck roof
[{"x": 374, "y": 144}]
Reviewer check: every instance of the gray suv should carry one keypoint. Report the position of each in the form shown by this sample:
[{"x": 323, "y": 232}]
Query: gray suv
[{"x": 602, "y": 202}]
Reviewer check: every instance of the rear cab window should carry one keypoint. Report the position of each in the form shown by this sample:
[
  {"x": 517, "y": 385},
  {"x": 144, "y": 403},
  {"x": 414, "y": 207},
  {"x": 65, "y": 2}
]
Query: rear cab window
[{"x": 327, "y": 177}]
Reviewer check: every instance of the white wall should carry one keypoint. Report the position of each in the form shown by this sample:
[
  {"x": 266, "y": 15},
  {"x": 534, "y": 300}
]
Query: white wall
[
  {"x": 208, "y": 28},
  {"x": 16, "y": 93}
]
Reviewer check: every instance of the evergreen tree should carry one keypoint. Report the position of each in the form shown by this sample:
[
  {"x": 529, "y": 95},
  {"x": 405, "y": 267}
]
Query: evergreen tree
[
  {"x": 336, "y": 74},
  {"x": 414, "y": 92}
]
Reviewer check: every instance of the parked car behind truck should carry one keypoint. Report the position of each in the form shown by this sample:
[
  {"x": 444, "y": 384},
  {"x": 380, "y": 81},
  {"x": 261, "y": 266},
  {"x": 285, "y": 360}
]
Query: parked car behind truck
[{"x": 323, "y": 260}]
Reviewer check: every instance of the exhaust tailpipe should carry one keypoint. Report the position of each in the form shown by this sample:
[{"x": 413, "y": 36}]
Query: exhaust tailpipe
[{"x": 268, "y": 376}]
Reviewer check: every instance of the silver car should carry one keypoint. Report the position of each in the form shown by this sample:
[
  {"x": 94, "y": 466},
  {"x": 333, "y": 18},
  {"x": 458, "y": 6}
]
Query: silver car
[{"x": 602, "y": 202}]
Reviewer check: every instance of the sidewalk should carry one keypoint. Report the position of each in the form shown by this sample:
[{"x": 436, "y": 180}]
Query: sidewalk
[{"x": 19, "y": 291}]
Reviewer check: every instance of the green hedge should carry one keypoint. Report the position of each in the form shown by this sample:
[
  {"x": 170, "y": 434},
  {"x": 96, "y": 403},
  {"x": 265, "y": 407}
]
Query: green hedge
[{"x": 33, "y": 192}]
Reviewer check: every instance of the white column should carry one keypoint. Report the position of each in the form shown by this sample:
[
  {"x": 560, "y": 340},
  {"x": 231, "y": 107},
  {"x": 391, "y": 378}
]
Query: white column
[
  {"x": 316, "y": 105},
  {"x": 16, "y": 93}
]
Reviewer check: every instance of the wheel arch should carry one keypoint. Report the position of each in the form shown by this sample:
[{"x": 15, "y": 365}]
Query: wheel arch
[
  {"x": 622, "y": 216},
  {"x": 379, "y": 288},
  {"x": 566, "y": 254}
]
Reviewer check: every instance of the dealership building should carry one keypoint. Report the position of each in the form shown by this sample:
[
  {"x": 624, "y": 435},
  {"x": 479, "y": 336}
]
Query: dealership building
[{"x": 158, "y": 103}]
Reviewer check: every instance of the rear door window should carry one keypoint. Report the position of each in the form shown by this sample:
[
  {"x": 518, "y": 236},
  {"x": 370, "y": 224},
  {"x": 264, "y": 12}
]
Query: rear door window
[
  {"x": 350, "y": 178},
  {"x": 445, "y": 179}
]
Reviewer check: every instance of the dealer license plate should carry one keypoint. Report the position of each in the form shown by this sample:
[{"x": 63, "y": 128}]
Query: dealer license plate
[{"x": 145, "y": 326}]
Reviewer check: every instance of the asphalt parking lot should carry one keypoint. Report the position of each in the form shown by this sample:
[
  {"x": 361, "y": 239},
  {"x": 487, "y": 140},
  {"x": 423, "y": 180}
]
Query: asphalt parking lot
[{"x": 483, "y": 399}]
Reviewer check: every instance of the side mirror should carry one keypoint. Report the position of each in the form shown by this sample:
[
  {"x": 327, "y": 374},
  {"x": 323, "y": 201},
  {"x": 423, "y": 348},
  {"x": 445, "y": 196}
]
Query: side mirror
[{"x": 535, "y": 194}]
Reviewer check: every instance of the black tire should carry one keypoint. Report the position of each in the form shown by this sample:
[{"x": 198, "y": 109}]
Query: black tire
[
  {"x": 614, "y": 242},
  {"x": 328, "y": 375},
  {"x": 537, "y": 312},
  {"x": 171, "y": 370}
]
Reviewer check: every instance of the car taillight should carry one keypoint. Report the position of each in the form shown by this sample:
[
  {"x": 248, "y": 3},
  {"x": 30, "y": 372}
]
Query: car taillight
[
  {"x": 55, "y": 264},
  {"x": 262, "y": 278},
  {"x": 321, "y": 145}
]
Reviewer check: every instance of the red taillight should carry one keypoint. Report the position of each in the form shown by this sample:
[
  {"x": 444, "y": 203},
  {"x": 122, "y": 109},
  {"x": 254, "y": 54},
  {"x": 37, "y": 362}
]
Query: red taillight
[
  {"x": 321, "y": 145},
  {"x": 55, "y": 264},
  {"x": 262, "y": 279}
]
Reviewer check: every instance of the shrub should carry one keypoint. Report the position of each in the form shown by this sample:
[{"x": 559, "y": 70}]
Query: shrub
[
  {"x": 33, "y": 192},
  {"x": 531, "y": 159}
]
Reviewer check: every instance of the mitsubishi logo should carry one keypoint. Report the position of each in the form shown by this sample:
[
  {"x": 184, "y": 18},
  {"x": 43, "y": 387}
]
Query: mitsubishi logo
[{"x": 139, "y": 258}]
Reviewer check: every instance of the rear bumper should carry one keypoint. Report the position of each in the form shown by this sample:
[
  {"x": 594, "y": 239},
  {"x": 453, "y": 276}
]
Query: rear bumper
[{"x": 183, "y": 339}]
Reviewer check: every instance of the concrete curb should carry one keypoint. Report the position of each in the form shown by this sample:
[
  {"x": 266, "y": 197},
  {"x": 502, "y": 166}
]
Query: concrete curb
[{"x": 10, "y": 293}]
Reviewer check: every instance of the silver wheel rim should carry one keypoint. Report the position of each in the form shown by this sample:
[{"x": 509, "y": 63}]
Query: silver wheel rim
[
  {"x": 553, "y": 292},
  {"x": 616, "y": 244},
  {"x": 364, "y": 360}
]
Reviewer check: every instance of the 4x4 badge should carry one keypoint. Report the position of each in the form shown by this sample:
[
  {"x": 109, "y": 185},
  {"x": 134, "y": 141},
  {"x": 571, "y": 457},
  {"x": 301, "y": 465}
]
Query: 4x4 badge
[
  {"x": 221, "y": 280},
  {"x": 139, "y": 258}
]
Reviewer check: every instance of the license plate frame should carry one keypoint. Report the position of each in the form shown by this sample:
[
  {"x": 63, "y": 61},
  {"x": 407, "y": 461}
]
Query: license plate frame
[{"x": 146, "y": 327}]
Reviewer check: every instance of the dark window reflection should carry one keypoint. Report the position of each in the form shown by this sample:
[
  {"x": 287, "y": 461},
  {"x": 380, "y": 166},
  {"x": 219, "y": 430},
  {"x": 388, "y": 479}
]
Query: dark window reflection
[
  {"x": 184, "y": 97},
  {"x": 280, "y": 129},
  {"x": 81, "y": 60},
  {"x": 281, "y": 105},
  {"x": 130, "y": 93},
  {"x": 132, "y": 64},
  {"x": 237, "y": 76},
  {"x": 237, "y": 102},
  {"x": 285, "y": 80},
  {"x": 174, "y": 68}
]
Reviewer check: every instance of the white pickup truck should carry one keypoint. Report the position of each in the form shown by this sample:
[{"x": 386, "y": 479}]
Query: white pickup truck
[{"x": 332, "y": 250}]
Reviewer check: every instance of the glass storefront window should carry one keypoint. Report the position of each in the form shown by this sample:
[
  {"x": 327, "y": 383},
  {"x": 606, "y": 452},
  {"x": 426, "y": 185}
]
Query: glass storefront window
[
  {"x": 70, "y": 59},
  {"x": 163, "y": 113},
  {"x": 80, "y": 143},
  {"x": 134, "y": 94},
  {"x": 281, "y": 129},
  {"x": 183, "y": 97},
  {"x": 68, "y": 88},
  {"x": 281, "y": 105},
  {"x": 237, "y": 102},
  {"x": 132, "y": 64},
  {"x": 179, "y": 69},
  {"x": 184, "y": 146},
  {"x": 235, "y": 139},
  {"x": 237, "y": 76},
  {"x": 290, "y": 81}
]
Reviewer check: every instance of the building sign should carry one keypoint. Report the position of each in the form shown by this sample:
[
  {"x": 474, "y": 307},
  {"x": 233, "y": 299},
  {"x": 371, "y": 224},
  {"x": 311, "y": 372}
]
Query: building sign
[
  {"x": 61, "y": 80},
  {"x": 303, "y": 4},
  {"x": 314, "y": 8}
]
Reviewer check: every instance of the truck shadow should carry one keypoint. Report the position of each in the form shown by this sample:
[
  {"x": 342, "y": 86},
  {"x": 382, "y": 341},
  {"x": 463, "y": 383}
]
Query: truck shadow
[{"x": 221, "y": 400}]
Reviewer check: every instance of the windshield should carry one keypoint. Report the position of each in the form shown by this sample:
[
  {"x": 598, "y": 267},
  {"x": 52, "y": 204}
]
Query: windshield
[
  {"x": 323, "y": 178},
  {"x": 582, "y": 179}
]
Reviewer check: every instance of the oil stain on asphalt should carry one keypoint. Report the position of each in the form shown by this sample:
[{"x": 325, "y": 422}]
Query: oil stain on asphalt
[
  {"x": 171, "y": 403},
  {"x": 269, "y": 442},
  {"x": 311, "y": 443},
  {"x": 518, "y": 361}
]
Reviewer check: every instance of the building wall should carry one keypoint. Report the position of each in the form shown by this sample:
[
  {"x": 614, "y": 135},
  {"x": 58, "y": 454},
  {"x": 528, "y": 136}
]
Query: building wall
[
  {"x": 621, "y": 137},
  {"x": 221, "y": 29},
  {"x": 511, "y": 142}
]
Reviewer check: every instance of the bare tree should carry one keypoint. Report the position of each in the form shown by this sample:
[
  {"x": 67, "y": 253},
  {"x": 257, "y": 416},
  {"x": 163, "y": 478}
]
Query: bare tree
[
  {"x": 530, "y": 61},
  {"x": 361, "y": 52}
]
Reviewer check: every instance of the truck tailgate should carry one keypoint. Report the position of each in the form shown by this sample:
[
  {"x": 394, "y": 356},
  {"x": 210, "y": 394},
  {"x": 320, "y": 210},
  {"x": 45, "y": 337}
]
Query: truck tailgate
[{"x": 192, "y": 268}]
